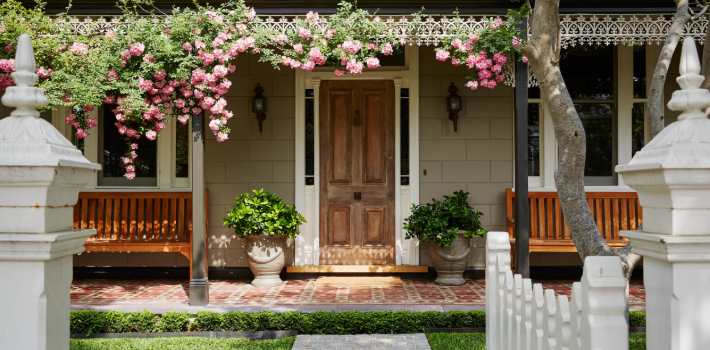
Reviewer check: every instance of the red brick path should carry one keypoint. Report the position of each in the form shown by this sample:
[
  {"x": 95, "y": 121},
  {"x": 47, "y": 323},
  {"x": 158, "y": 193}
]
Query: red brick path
[{"x": 375, "y": 290}]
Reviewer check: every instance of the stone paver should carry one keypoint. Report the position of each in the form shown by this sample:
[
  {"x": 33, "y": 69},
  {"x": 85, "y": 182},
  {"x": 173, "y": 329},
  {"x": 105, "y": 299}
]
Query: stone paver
[
  {"x": 362, "y": 341},
  {"x": 305, "y": 294}
]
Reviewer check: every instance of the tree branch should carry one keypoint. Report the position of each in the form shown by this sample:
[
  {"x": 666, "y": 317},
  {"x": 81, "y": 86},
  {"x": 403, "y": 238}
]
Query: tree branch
[{"x": 654, "y": 105}]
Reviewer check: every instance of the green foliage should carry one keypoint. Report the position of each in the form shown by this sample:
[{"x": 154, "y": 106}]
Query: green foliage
[
  {"x": 477, "y": 341},
  {"x": 263, "y": 213},
  {"x": 440, "y": 221},
  {"x": 87, "y": 323},
  {"x": 637, "y": 318},
  {"x": 455, "y": 341},
  {"x": 181, "y": 343},
  {"x": 16, "y": 19}
]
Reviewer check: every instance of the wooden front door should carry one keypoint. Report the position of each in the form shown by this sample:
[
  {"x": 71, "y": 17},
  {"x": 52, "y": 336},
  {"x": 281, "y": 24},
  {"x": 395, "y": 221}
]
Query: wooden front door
[{"x": 357, "y": 172}]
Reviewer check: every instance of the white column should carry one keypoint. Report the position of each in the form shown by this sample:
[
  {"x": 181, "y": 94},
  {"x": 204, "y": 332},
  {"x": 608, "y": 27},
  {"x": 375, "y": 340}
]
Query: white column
[
  {"x": 672, "y": 177},
  {"x": 41, "y": 173}
]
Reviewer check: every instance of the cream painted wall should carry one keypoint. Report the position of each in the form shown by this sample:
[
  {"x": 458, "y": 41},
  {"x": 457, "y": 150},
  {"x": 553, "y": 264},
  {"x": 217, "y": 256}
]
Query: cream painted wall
[
  {"x": 250, "y": 159},
  {"x": 479, "y": 157}
]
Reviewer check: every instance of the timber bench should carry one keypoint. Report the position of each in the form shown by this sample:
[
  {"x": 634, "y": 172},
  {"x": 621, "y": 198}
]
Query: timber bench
[
  {"x": 137, "y": 222},
  {"x": 612, "y": 211}
]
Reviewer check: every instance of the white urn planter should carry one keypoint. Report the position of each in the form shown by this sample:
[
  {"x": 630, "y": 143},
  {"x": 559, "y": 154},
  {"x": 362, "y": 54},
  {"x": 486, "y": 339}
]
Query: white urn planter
[
  {"x": 450, "y": 262},
  {"x": 266, "y": 259}
]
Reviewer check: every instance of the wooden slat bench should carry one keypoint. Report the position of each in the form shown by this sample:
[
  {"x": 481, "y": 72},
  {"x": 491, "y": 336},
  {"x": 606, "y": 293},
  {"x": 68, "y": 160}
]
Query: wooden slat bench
[
  {"x": 137, "y": 222},
  {"x": 613, "y": 211}
]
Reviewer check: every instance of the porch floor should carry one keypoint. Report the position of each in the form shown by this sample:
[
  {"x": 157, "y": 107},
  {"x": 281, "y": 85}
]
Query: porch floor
[{"x": 299, "y": 294}]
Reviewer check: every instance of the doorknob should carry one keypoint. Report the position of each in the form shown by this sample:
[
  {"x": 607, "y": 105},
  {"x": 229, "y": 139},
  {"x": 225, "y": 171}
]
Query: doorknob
[{"x": 357, "y": 196}]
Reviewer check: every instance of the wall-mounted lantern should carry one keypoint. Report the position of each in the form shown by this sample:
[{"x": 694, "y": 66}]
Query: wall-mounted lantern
[
  {"x": 258, "y": 105},
  {"x": 453, "y": 105}
]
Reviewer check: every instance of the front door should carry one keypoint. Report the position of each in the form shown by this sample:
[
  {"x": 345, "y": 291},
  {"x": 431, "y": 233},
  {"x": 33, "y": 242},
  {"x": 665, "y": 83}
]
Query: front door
[{"x": 357, "y": 172}]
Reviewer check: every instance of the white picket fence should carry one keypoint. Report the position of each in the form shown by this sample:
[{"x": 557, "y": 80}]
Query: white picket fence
[{"x": 521, "y": 315}]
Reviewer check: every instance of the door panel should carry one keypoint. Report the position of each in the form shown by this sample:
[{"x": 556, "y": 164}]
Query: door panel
[
  {"x": 357, "y": 168},
  {"x": 340, "y": 137},
  {"x": 374, "y": 139}
]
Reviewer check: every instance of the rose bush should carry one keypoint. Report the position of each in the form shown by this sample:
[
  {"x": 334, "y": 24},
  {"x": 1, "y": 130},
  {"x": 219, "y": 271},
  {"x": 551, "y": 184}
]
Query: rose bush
[
  {"x": 176, "y": 65},
  {"x": 350, "y": 40},
  {"x": 488, "y": 53}
]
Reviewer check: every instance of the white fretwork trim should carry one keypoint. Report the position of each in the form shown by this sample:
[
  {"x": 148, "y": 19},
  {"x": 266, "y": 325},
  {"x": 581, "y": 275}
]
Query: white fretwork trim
[
  {"x": 575, "y": 29},
  {"x": 431, "y": 30}
]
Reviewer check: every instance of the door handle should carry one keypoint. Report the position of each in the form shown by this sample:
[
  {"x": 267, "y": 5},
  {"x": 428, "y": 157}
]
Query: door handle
[{"x": 357, "y": 196}]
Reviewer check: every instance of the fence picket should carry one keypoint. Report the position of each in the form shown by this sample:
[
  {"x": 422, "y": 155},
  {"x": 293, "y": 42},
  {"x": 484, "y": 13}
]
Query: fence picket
[{"x": 522, "y": 315}]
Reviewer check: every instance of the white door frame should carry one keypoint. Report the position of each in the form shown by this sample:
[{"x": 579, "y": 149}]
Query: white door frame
[{"x": 307, "y": 247}]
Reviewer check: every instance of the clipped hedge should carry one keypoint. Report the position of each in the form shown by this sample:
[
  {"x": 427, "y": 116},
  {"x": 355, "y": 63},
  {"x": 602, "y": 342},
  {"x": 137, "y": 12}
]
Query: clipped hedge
[{"x": 87, "y": 323}]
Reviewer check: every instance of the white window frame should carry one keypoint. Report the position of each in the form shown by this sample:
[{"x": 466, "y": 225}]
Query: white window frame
[
  {"x": 167, "y": 139},
  {"x": 624, "y": 105}
]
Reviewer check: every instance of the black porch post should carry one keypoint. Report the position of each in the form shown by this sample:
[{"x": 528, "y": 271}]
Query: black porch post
[
  {"x": 199, "y": 286},
  {"x": 522, "y": 207}
]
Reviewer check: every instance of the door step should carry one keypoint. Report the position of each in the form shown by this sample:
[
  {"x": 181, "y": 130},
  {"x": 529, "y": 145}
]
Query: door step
[{"x": 358, "y": 269}]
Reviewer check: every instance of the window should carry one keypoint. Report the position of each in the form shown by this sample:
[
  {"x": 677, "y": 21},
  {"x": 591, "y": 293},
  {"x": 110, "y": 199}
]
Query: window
[
  {"x": 112, "y": 147},
  {"x": 534, "y": 131},
  {"x": 404, "y": 136},
  {"x": 182, "y": 150},
  {"x": 638, "y": 114},
  {"x": 310, "y": 137},
  {"x": 594, "y": 95}
]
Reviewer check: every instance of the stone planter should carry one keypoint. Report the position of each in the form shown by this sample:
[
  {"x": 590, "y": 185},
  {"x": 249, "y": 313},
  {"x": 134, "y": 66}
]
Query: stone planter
[
  {"x": 450, "y": 262},
  {"x": 266, "y": 259}
]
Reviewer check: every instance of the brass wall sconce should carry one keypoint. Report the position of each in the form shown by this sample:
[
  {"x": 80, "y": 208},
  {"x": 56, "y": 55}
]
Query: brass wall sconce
[
  {"x": 258, "y": 105},
  {"x": 453, "y": 105}
]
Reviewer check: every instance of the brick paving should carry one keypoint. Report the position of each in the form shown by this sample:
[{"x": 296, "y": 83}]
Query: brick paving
[{"x": 332, "y": 291}]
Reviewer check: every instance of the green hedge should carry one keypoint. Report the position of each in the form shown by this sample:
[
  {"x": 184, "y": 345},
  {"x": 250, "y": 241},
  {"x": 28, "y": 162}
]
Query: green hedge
[{"x": 86, "y": 323}]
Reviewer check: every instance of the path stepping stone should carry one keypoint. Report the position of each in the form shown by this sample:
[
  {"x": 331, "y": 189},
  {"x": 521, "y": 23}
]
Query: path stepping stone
[{"x": 362, "y": 341}]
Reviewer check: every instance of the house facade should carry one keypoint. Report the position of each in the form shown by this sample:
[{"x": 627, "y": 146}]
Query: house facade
[{"x": 353, "y": 153}]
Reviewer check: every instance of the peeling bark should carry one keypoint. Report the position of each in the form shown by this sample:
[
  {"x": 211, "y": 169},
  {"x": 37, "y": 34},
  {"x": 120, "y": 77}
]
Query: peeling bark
[
  {"x": 654, "y": 105},
  {"x": 543, "y": 52}
]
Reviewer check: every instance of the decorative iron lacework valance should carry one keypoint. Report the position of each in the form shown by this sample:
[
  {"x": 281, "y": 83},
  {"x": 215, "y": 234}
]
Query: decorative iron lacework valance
[{"x": 431, "y": 30}]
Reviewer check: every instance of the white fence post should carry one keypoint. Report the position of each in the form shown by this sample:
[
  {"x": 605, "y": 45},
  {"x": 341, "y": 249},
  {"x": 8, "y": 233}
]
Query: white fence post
[
  {"x": 604, "y": 324},
  {"x": 41, "y": 174},
  {"x": 522, "y": 315},
  {"x": 497, "y": 245},
  {"x": 672, "y": 178}
]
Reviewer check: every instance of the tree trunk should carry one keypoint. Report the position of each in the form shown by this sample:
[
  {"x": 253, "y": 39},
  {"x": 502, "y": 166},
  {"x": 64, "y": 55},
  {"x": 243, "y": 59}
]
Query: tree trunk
[
  {"x": 654, "y": 105},
  {"x": 543, "y": 52}
]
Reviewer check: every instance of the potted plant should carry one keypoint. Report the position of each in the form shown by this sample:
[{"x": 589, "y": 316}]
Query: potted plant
[
  {"x": 446, "y": 227},
  {"x": 265, "y": 221}
]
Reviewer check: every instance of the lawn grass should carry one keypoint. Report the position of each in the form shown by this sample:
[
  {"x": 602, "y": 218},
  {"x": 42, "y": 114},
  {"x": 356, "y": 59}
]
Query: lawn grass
[
  {"x": 477, "y": 341},
  {"x": 437, "y": 341},
  {"x": 181, "y": 343}
]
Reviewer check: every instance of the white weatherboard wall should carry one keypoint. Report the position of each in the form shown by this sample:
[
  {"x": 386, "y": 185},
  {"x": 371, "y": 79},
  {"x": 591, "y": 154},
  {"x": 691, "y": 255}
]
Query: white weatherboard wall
[
  {"x": 478, "y": 158},
  {"x": 521, "y": 315},
  {"x": 672, "y": 177},
  {"x": 41, "y": 173}
]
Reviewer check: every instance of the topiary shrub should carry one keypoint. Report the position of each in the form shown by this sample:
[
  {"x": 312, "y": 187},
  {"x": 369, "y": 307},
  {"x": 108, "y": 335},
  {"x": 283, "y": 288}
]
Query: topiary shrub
[{"x": 263, "y": 213}]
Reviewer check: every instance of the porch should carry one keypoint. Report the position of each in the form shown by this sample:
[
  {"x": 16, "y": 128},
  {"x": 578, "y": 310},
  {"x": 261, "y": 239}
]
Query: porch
[{"x": 337, "y": 293}]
